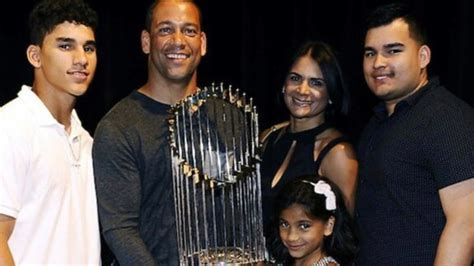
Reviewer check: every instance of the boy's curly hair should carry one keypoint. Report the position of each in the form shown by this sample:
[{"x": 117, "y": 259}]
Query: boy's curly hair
[{"x": 47, "y": 14}]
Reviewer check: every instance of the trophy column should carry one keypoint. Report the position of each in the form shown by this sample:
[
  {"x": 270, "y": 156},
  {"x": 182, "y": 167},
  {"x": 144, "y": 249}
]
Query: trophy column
[{"x": 216, "y": 178}]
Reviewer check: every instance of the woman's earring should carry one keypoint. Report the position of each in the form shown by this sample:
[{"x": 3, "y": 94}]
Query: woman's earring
[
  {"x": 329, "y": 101},
  {"x": 283, "y": 89}
]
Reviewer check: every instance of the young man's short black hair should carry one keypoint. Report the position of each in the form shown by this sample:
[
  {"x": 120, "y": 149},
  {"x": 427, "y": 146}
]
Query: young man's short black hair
[
  {"x": 386, "y": 14},
  {"x": 47, "y": 14}
]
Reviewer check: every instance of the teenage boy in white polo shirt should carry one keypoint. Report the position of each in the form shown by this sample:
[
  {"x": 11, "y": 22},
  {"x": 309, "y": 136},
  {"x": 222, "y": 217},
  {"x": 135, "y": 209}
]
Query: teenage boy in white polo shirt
[{"x": 48, "y": 211}]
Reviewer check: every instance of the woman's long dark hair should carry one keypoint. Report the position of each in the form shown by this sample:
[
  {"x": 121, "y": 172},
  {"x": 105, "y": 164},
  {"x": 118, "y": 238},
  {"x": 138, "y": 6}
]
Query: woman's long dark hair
[{"x": 337, "y": 88}]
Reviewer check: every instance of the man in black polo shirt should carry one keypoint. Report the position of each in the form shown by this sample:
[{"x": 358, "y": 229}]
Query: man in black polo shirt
[{"x": 415, "y": 200}]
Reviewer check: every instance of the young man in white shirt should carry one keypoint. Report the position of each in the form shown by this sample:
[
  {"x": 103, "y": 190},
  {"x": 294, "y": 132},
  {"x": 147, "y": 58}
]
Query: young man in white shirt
[{"x": 48, "y": 210}]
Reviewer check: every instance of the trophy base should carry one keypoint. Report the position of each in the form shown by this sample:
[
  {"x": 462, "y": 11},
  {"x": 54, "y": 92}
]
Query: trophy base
[{"x": 223, "y": 256}]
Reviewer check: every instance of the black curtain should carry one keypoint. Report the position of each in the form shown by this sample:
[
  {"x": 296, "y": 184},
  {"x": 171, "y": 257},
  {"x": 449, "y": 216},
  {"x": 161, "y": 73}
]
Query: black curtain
[{"x": 249, "y": 42}]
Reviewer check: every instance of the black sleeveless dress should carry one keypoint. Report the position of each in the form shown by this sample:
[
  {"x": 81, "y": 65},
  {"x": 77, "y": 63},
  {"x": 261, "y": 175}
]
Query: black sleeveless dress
[{"x": 276, "y": 147}]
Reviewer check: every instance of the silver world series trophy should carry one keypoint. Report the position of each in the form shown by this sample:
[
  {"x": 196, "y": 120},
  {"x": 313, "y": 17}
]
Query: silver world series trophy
[{"x": 216, "y": 178}]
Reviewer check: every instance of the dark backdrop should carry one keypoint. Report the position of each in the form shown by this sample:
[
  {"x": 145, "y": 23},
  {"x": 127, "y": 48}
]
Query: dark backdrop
[{"x": 249, "y": 42}]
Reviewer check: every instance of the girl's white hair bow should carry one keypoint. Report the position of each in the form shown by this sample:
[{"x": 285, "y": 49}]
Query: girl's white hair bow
[{"x": 323, "y": 188}]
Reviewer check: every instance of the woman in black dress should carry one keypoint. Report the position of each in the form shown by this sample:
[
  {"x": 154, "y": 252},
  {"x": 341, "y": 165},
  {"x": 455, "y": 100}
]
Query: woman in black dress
[{"x": 309, "y": 144}]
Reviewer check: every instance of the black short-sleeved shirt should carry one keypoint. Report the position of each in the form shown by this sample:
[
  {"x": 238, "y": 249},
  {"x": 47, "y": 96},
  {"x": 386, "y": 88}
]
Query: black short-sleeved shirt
[{"x": 405, "y": 159}]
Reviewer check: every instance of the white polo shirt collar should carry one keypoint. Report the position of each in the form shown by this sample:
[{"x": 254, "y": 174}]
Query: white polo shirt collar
[{"x": 42, "y": 114}]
